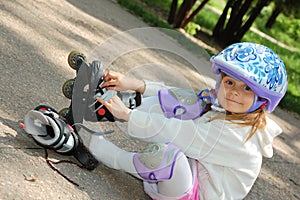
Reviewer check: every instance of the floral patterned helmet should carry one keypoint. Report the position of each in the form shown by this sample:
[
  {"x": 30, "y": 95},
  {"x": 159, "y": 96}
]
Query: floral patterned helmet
[{"x": 256, "y": 65}]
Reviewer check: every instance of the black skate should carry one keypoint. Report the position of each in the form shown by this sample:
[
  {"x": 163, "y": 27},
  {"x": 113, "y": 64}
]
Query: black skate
[
  {"x": 86, "y": 87},
  {"x": 51, "y": 131}
]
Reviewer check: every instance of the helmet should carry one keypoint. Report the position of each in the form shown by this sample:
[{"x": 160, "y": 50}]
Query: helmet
[{"x": 257, "y": 66}]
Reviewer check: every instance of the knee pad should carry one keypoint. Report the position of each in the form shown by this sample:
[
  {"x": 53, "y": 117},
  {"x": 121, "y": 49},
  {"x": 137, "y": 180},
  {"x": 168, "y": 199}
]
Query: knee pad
[
  {"x": 51, "y": 132},
  {"x": 156, "y": 162}
]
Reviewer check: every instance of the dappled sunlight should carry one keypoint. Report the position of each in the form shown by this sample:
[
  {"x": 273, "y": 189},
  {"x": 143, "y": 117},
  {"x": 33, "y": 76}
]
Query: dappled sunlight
[
  {"x": 167, "y": 60},
  {"x": 36, "y": 38},
  {"x": 287, "y": 144},
  {"x": 46, "y": 22},
  {"x": 290, "y": 127},
  {"x": 46, "y": 31},
  {"x": 6, "y": 131},
  {"x": 288, "y": 151},
  {"x": 271, "y": 178},
  {"x": 39, "y": 23},
  {"x": 161, "y": 66}
]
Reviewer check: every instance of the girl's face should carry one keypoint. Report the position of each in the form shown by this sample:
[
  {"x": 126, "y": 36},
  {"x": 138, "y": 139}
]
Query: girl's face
[{"x": 235, "y": 96}]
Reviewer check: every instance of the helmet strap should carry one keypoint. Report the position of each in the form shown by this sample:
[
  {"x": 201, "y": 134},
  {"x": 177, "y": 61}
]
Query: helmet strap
[{"x": 257, "y": 103}]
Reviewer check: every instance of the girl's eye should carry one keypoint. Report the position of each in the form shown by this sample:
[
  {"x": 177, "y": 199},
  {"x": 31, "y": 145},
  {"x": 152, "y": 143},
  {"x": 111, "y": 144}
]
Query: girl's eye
[
  {"x": 248, "y": 88},
  {"x": 229, "y": 82}
]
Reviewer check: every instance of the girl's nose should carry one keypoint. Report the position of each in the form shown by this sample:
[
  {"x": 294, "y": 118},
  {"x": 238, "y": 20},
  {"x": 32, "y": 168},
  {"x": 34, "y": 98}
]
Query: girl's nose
[{"x": 235, "y": 91}]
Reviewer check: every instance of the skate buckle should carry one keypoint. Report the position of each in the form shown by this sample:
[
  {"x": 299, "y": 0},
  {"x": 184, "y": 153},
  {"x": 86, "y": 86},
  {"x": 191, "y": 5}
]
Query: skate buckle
[{"x": 108, "y": 94}]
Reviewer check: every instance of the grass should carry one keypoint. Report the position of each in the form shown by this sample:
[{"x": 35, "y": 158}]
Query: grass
[
  {"x": 148, "y": 17},
  {"x": 284, "y": 30}
]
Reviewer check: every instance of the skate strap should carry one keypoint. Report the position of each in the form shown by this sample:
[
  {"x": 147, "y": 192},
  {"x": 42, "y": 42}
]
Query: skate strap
[
  {"x": 108, "y": 94},
  {"x": 92, "y": 131}
]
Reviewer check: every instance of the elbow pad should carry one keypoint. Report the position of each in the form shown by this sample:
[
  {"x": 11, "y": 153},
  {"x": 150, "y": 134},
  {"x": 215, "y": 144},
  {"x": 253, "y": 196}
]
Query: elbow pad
[{"x": 181, "y": 103}]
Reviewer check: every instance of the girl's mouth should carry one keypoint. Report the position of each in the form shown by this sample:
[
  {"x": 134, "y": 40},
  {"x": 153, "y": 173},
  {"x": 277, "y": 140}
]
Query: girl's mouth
[{"x": 231, "y": 100}]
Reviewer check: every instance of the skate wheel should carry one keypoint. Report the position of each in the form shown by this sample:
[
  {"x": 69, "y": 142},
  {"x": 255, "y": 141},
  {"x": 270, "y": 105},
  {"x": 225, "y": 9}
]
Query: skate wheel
[
  {"x": 75, "y": 59},
  {"x": 64, "y": 112},
  {"x": 67, "y": 88}
]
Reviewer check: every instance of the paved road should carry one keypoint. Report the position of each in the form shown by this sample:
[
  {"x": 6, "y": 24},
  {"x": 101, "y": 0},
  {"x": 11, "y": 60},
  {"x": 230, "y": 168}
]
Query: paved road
[{"x": 36, "y": 37}]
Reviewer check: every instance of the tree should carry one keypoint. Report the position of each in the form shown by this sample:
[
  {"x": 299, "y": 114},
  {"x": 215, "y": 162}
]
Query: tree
[
  {"x": 242, "y": 14},
  {"x": 172, "y": 13},
  {"x": 276, "y": 11},
  {"x": 185, "y": 13},
  {"x": 194, "y": 13},
  {"x": 289, "y": 8}
]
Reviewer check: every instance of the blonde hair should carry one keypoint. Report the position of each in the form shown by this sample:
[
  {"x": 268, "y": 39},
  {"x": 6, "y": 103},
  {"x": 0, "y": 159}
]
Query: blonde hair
[{"x": 256, "y": 119}]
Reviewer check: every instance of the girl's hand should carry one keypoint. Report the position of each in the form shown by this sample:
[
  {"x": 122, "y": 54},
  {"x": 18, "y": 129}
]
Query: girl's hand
[
  {"x": 116, "y": 107},
  {"x": 119, "y": 82}
]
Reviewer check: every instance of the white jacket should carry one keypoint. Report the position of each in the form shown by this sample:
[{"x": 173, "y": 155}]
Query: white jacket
[{"x": 228, "y": 166}]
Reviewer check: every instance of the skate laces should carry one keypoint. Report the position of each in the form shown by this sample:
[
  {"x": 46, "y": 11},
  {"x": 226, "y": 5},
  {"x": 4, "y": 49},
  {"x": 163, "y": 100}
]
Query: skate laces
[{"x": 51, "y": 164}]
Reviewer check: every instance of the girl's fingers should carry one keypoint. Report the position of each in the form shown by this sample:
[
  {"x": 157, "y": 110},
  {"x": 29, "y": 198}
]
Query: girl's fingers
[
  {"x": 107, "y": 75},
  {"x": 110, "y": 75},
  {"x": 105, "y": 103},
  {"x": 111, "y": 82}
]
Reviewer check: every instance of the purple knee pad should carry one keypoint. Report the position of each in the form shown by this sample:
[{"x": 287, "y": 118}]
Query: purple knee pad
[{"x": 156, "y": 162}]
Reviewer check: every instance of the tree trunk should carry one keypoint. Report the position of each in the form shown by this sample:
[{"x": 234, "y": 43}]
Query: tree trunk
[
  {"x": 247, "y": 25},
  {"x": 191, "y": 17},
  {"x": 277, "y": 10},
  {"x": 233, "y": 14},
  {"x": 172, "y": 12},
  {"x": 221, "y": 22},
  {"x": 236, "y": 20},
  {"x": 236, "y": 27},
  {"x": 183, "y": 12}
]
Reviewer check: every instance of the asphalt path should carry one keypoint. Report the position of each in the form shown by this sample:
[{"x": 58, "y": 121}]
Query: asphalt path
[{"x": 36, "y": 37}]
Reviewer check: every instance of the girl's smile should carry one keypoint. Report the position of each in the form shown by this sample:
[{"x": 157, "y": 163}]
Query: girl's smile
[
  {"x": 233, "y": 101},
  {"x": 235, "y": 96}
]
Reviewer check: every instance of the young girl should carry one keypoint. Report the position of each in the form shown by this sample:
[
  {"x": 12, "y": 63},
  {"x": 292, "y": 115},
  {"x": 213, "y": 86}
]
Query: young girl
[{"x": 215, "y": 156}]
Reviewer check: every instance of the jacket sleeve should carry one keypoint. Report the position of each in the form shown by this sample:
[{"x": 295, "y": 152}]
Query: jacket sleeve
[
  {"x": 196, "y": 138},
  {"x": 155, "y": 127},
  {"x": 266, "y": 137}
]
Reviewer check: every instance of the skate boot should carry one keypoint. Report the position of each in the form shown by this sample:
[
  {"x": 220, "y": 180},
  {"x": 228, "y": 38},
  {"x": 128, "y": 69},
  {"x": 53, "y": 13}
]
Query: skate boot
[
  {"x": 49, "y": 130},
  {"x": 84, "y": 89}
]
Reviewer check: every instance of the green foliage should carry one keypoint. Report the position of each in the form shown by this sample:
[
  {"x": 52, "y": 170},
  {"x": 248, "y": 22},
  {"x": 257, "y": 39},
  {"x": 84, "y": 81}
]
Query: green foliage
[
  {"x": 140, "y": 11},
  {"x": 285, "y": 29},
  {"x": 206, "y": 18},
  {"x": 217, "y": 4},
  {"x": 192, "y": 28},
  {"x": 289, "y": 27},
  {"x": 158, "y": 3},
  {"x": 290, "y": 102}
]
